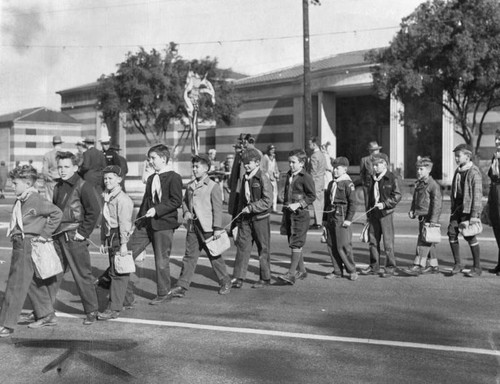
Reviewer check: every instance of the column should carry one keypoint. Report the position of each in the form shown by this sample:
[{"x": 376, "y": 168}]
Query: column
[
  {"x": 448, "y": 144},
  {"x": 397, "y": 136},
  {"x": 327, "y": 110}
]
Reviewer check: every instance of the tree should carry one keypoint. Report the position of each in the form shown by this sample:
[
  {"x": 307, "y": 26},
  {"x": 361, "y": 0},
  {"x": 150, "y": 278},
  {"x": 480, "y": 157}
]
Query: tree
[
  {"x": 449, "y": 52},
  {"x": 148, "y": 89}
]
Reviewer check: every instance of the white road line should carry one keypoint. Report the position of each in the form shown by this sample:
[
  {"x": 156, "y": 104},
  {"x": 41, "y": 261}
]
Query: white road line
[{"x": 308, "y": 336}]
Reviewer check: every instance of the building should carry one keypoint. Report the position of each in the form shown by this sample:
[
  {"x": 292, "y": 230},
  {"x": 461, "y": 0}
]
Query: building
[{"x": 27, "y": 134}]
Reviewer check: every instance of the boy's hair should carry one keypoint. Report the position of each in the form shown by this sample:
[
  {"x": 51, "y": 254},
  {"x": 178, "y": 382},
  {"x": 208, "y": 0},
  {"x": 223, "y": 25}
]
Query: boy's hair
[
  {"x": 25, "y": 172},
  {"x": 315, "y": 140},
  {"x": 161, "y": 150},
  {"x": 249, "y": 155},
  {"x": 299, "y": 154},
  {"x": 61, "y": 155}
]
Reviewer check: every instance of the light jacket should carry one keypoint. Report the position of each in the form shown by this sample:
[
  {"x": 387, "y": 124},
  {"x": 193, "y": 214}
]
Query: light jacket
[
  {"x": 204, "y": 201},
  {"x": 473, "y": 193}
]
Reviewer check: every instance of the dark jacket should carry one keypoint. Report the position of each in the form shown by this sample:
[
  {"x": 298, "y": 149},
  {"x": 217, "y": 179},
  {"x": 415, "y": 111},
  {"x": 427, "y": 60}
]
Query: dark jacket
[
  {"x": 427, "y": 200},
  {"x": 390, "y": 195},
  {"x": 166, "y": 210},
  {"x": 92, "y": 166},
  {"x": 80, "y": 205},
  {"x": 301, "y": 191},
  {"x": 261, "y": 197},
  {"x": 345, "y": 200}
]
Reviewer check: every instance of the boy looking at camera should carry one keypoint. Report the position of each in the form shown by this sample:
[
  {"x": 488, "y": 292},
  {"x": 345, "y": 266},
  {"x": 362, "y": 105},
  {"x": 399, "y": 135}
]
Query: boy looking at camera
[{"x": 254, "y": 225}]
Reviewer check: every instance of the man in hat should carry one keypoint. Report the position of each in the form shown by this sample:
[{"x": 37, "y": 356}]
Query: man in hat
[
  {"x": 466, "y": 207},
  {"x": 317, "y": 169},
  {"x": 383, "y": 197},
  {"x": 269, "y": 166},
  {"x": 110, "y": 155},
  {"x": 49, "y": 170},
  {"x": 81, "y": 148},
  {"x": 93, "y": 164},
  {"x": 366, "y": 168}
]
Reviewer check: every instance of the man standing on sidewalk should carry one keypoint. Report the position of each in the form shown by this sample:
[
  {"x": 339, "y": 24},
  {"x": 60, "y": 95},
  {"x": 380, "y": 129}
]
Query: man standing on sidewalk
[
  {"x": 317, "y": 169},
  {"x": 50, "y": 173}
]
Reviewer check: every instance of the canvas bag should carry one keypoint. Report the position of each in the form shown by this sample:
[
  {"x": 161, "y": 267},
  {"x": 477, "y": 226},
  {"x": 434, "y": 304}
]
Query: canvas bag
[
  {"x": 471, "y": 229},
  {"x": 124, "y": 263},
  {"x": 46, "y": 259},
  {"x": 219, "y": 245},
  {"x": 431, "y": 234}
]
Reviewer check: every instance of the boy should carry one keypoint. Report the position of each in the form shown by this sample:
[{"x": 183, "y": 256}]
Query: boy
[
  {"x": 33, "y": 219},
  {"x": 466, "y": 195},
  {"x": 202, "y": 208},
  {"x": 299, "y": 194},
  {"x": 79, "y": 203},
  {"x": 384, "y": 196},
  {"x": 340, "y": 199},
  {"x": 115, "y": 230},
  {"x": 254, "y": 223},
  {"x": 158, "y": 211},
  {"x": 426, "y": 206}
]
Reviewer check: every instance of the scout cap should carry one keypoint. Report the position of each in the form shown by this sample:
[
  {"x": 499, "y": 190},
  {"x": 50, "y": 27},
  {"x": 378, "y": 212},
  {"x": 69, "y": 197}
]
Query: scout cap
[
  {"x": 378, "y": 158},
  {"x": 343, "y": 161},
  {"x": 466, "y": 148},
  {"x": 113, "y": 169},
  {"x": 424, "y": 162},
  {"x": 202, "y": 158}
]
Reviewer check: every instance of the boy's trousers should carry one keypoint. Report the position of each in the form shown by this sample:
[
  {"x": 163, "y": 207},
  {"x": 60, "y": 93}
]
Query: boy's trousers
[
  {"x": 381, "y": 226},
  {"x": 249, "y": 231},
  {"x": 340, "y": 241}
]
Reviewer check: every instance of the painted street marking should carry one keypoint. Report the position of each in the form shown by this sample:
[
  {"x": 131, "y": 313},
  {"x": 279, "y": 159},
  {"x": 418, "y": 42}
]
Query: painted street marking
[{"x": 307, "y": 336}]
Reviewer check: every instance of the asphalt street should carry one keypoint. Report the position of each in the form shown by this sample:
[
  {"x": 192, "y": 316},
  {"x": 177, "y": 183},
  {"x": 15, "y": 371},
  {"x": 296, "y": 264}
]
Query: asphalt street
[{"x": 426, "y": 329}]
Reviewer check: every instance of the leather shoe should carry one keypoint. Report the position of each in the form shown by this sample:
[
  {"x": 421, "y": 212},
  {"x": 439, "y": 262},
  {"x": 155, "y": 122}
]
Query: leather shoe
[
  {"x": 90, "y": 318},
  {"x": 474, "y": 272},
  {"x": 333, "y": 275},
  {"x": 236, "y": 283},
  {"x": 287, "y": 278},
  {"x": 353, "y": 276},
  {"x": 315, "y": 226},
  {"x": 495, "y": 270},
  {"x": 178, "y": 292},
  {"x": 129, "y": 305},
  {"x": 430, "y": 270},
  {"x": 456, "y": 269},
  {"x": 416, "y": 268},
  {"x": 27, "y": 318},
  {"x": 262, "y": 284},
  {"x": 160, "y": 299},
  {"x": 6, "y": 332},
  {"x": 368, "y": 271},
  {"x": 388, "y": 272},
  {"x": 301, "y": 275},
  {"x": 225, "y": 288},
  {"x": 47, "y": 321},
  {"x": 108, "y": 314}
]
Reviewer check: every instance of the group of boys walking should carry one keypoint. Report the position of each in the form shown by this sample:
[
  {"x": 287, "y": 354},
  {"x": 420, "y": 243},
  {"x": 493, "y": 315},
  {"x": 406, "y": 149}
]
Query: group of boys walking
[{"x": 70, "y": 219}]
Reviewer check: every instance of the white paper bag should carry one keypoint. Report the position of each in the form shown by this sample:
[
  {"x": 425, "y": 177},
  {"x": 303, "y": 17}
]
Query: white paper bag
[{"x": 47, "y": 262}]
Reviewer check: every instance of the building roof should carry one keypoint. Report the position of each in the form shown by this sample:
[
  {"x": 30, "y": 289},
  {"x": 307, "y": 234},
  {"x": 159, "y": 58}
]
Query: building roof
[
  {"x": 39, "y": 115},
  {"x": 80, "y": 88},
  {"x": 341, "y": 60}
]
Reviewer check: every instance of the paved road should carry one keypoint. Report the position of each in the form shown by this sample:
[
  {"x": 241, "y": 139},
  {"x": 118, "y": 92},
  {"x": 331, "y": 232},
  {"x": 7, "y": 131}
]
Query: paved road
[{"x": 430, "y": 329}]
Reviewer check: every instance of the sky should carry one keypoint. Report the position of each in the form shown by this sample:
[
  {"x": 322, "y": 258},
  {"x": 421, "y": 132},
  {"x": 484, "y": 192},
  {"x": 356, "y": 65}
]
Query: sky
[{"x": 52, "y": 45}]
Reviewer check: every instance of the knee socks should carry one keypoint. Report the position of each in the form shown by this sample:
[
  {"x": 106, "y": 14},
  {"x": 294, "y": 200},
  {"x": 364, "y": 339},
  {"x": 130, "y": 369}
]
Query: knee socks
[
  {"x": 455, "y": 250},
  {"x": 474, "y": 248}
]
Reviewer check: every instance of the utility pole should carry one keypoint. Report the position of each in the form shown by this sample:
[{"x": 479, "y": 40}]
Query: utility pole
[{"x": 307, "y": 73}]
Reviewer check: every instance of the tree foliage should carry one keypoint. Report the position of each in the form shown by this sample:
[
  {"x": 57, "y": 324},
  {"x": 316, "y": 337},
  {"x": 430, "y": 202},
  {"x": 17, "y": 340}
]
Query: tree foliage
[
  {"x": 148, "y": 89},
  {"x": 448, "y": 51}
]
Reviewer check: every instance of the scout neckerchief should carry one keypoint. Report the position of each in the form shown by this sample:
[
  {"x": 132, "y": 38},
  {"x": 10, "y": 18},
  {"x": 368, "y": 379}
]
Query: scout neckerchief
[
  {"x": 248, "y": 177},
  {"x": 156, "y": 187},
  {"x": 461, "y": 169},
  {"x": 108, "y": 196},
  {"x": 17, "y": 216},
  {"x": 343, "y": 177},
  {"x": 376, "y": 190}
]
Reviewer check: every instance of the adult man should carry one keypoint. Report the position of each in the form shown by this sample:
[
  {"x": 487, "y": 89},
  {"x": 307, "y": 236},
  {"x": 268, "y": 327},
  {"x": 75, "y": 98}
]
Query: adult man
[
  {"x": 110, "y": 155},
  {"x": 93, "y": 164},
  {"x": 49, "y": 170},
  {"x": 123, "y": 163},
  {"x": 366, "y": 168},
  {"x": 317, "y": 169},
  {"x": 79, "y": 204}
]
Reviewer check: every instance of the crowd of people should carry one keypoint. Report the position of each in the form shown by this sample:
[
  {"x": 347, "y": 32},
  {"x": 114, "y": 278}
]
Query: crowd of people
[{"x": 84, "y": 190}]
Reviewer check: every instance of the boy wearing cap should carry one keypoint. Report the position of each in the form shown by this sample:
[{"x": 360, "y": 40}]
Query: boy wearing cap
[
  {"x": 466, "y": 206},
  {"x": 426, "y": 206},
  {"x": 299, "y": 194},
  {"x": 49, "y": 169},
  {"x": 158, "y": 220},
  {"x": 202, "y": 207},
  {"x": 115, "y": 231},
  {"x": 383, "y": 197},
  {"x": 254, "y": 224},
  {"x": 337, "y": 218}
]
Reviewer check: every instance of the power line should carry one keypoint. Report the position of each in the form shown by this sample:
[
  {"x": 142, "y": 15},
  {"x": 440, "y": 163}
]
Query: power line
[{"x": 220, "y": 42}]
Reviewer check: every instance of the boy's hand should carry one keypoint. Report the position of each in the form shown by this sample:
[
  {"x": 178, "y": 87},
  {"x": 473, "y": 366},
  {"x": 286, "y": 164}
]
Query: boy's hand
[
  {"x": 379, "y": 206},
  {"x": 151, "y": 212},
  {"x": 78, "y": 237},
  {"x": 188, "y": 216},
  {"x": 346, "y": 224},
  {"x": 294, "y": 206},
  {"x": 218, "y": 233},
  {"x": 474, "y": 220},
  {"x": 102, "y": 249},
  {"x": 411, "y": 215},
  {"x": 40, "y": 239},
  {"x": 246, "y": 210},
  {"x": 123, "y": 250}
]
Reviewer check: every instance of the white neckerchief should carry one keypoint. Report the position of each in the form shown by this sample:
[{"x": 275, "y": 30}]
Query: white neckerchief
[
  {"x": 345, "y": 176},
  {"x": 458, "y": 179},
  {"x": 376, "y": 190},
  {"x": 17, "y": 215},
  {"x": 108, "y": 196},
  {"x": 248, "y": 176},
  {"x": 156, "y": 186}
]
